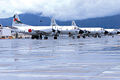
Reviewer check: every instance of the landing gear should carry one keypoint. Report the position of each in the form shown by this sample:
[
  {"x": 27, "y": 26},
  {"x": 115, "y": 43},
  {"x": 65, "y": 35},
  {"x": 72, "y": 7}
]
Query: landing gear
[
  {"x": 69, "y": 34},
  {"x": 55, "y": 36},
  {"x": 35, "y": 37},
  {"x": 73, "y": 37},
  {"x": 83, "y": 36},
  {"x": 99, "y": 36},
  {"x": 40, "y": 36},
  {"x": 78, "y": 36},
  {"x": 45, "y": 38}
]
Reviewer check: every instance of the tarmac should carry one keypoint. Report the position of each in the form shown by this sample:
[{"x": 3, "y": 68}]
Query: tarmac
[{"x": 61, "y": 59}]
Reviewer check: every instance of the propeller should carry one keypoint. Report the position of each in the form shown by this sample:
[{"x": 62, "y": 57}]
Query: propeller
[
  {"x": 106, "y": 32},
  {"x": 56, "y": 32}
]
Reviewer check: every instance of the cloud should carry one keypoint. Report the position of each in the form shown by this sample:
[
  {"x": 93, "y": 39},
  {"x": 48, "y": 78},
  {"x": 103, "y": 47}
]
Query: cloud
[{"x": 61, "y": 9}]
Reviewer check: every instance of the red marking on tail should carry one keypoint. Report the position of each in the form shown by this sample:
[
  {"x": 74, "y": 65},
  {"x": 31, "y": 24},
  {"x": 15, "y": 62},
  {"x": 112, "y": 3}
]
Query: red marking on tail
[{"x": 15, "y": 19}]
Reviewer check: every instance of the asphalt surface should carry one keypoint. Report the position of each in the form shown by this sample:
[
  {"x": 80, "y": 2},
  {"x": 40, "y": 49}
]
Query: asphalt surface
[{"x": 62, "y": 59}]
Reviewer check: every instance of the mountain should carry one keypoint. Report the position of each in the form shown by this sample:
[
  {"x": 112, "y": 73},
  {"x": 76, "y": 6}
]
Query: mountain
[{"x": 35, "y": 20}]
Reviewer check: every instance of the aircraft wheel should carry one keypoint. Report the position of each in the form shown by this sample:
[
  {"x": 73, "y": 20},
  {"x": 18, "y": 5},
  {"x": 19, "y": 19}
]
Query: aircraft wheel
[
  {"x": 99, "y": 36},
  {"x": 83, "y": 36},
  {"x": 55, "y": 37},
  {"x": 78, "y": 37},
  {"x": 37, "y": 37},
  {"x": 73, "y": 37},
  {"x": 45, "y": 37},
  {"x": 33, "y": 37}
]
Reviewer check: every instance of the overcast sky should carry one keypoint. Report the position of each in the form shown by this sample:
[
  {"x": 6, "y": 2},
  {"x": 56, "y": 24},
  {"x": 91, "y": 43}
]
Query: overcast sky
[{"x": 61, "y": 9}]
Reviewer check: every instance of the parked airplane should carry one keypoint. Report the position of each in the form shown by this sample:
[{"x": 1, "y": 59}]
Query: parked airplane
[
  {"x": 36, "y": 31},
  {"x": 67, "y": 30},
  {"x": 94, "y": 30},
  {"x": 113, "y": 31}
]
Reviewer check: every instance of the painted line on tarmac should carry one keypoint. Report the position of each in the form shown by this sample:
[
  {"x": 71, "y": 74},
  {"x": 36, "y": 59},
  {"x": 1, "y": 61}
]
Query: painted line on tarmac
[{"x": 57, "y": 76}]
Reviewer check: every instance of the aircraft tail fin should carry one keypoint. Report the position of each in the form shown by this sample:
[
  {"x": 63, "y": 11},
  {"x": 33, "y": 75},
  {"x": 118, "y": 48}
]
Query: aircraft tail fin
[
  {"x": 16, "y": 20},
  {"x": 53, "y": 22},
  {"x": 73, "y": 23}
]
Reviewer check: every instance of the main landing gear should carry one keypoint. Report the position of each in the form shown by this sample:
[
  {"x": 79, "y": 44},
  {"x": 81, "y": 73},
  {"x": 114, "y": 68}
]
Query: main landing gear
[
  {"x": 39, "y": 37},
  {"x": 45, "y": 38},
  {"x": 35, "y": 37},
  {"x": 55, "y": 36}
]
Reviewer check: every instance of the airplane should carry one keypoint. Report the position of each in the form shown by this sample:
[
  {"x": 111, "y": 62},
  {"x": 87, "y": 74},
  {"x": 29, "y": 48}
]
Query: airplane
[
  {"x": 37, "y": 32},
  {"x": 95, "y": 31},
  {"x": 67, "y": 30},
  {"x": 113, "y": 31}
]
